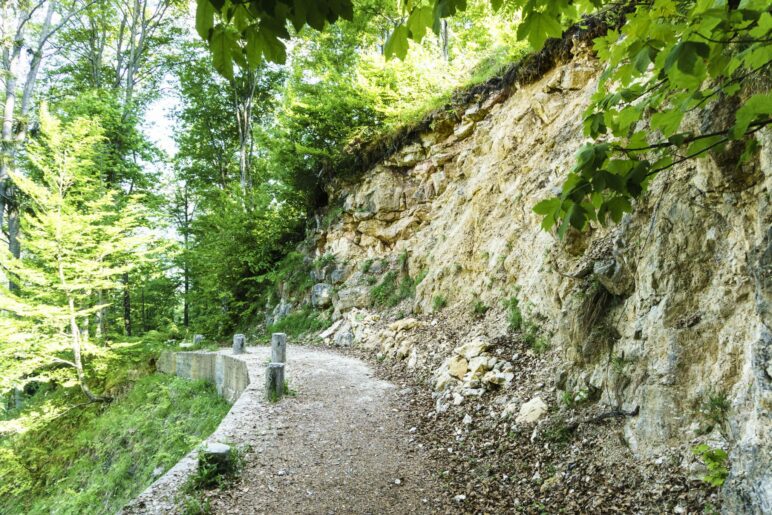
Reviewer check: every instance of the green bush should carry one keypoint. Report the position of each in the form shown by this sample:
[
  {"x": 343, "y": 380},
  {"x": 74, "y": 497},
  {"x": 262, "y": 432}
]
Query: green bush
[{"x": 716, "y": 462}]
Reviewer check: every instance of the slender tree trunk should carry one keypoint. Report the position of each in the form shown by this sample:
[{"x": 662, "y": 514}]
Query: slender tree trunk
[
  {"x": 142, "y": 310},
  {"x": 101, "y": 316},
  {"x": 185, "y": 265},
  {"x": 444, "y": 40},
  {"x": 77, "y": 360},
  {"x": 13, "y": 234},
  {"x": 126, "y": 305}
]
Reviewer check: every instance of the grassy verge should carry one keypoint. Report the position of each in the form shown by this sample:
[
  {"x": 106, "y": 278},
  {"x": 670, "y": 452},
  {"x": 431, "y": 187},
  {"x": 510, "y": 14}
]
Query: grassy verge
[{"x": 61, "y": 455}]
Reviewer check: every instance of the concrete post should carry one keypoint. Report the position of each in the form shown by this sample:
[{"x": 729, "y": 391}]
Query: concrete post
[
  {"x": 279, "y": 348},
  {"x": 274, "y": 381},
  {"x": 216, "y": 457},
  {"x": 239, "y": 342}
]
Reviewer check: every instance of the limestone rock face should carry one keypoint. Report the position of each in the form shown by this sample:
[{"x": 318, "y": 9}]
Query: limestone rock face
[
  {"x": 680, "y": 289},
  {"x": 321, "y": 295}
]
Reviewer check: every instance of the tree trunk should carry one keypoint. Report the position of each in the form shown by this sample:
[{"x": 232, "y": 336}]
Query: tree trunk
[
  {"x": 101, "y": 316},
  {"x": 444, "y": 41},
  {"x": 77, "y": 360},
  {"x": 13, "y": 234},
  {"x": 126, "y": 305}
]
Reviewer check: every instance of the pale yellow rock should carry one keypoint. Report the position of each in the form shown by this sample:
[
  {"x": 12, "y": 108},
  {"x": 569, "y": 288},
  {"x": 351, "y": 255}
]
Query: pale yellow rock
[
  {"x": 404, "y": 349},
  {"x": 531, "y": 411},
  {"x": 404, "y": 324},
  {"x": 473, "y": 348},
  {"x": 478, "y": 365},
  {"x": 457, "y": 366}
]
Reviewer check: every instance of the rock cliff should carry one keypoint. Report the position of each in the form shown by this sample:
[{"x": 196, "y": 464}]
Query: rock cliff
[{"x": 662, "y": 320}]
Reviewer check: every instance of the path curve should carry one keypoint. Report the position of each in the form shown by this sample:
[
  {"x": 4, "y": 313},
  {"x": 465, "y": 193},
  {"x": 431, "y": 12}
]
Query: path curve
[{"x": 340, "y": 445}]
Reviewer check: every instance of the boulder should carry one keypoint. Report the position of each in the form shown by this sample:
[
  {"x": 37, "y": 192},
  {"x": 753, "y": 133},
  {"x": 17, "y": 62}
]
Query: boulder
[
  {"x": 442, "y": 381},
  {"x": 473, "y": 348},
  {"x": 531, "y": 411},
  {"x": 217, "y": 458},
  {"x": 344, "y": 337},
  {"x": 478, "y": 365},
  {"x": 354, "y": 297},
  {"x": 403, "y": 325},
  {"x": 457, "y": 366},
  {"x": 321, "y": 295},
  {"x": 498, "y": 378}
]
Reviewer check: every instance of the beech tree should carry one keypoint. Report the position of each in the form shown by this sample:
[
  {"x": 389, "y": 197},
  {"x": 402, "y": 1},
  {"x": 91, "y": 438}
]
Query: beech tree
[{"x": 76, "y": 240}]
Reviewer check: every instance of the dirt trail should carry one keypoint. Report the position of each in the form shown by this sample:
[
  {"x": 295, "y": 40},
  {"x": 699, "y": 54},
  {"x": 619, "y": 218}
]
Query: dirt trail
[{"x": 340, "y": 445}]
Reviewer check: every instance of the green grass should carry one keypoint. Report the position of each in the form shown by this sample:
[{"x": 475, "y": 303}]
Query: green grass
[
  {"x": 300, "y": 322},
  {"x": 439, "y": 302},
  {"x": 72, "y": 458},
  {"x": 479, "y": 308},
  {"x": 389, "y": 292},
  {"x": 514, "y": 314}
]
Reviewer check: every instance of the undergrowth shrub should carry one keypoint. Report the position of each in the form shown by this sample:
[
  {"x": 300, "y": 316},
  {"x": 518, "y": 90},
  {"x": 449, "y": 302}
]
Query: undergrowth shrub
[
  {"x": 716, "y": 462},
  {"x": 388, "y": 293},
  {"x": 93, "y": 458},
  {"x": 439, "y": 302},
  {"x": 302, "y": 321}
]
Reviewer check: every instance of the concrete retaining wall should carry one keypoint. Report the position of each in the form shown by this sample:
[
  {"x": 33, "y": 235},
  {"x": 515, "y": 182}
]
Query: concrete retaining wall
[{"x": 229, "y": 375}]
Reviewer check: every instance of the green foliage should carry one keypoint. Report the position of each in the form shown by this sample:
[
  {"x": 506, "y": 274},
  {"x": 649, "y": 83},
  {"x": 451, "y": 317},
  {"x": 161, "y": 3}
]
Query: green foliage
[
  {"x": 716, "y": 462},
  {"x": 80, "y": 238},
  {"x": 289, "y": 391},
  {"x": 247, "y": 34},
  {"x": 300, "y": 322},
  {"x": 668, "y": 60},
  {"x": 514, "y": 315},
  {"x": 205, "y": 477},
  {"x": 402, "y": 259},
  {"x": 558, "y": 432},
  {"x": 479, "y": 308},
  {"x": 366, "y": 264},
  {"x": 85, "y": 459},
  {"x": 714, "y": 411},
  {"x": 439, "y": 302},
  {"x": 324, "y": 261},
  {"x": 388, "y": 293}
]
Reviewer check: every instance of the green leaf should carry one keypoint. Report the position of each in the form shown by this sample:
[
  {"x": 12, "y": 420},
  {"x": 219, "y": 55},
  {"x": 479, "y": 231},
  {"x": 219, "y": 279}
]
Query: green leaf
[
  {"x": 566, "y": 221},
  {"x": 420, "y": 19},
  {"x": 667, "y": 121},
  {"x": 618, "y": 206},
  {"x": 221, "y": 44},
  {"x": 755, "y": 108},
  {"x": 684, "y": 55},
  {"x": 397, "y": 43},
  {"x": 537, "y": 27},
  {"x": 204, "y": 18},
  {"x": 547, "y": 206}
]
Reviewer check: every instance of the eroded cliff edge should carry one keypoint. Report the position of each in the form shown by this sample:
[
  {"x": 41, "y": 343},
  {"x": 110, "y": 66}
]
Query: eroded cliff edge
[{"x": 660, "y": 319}]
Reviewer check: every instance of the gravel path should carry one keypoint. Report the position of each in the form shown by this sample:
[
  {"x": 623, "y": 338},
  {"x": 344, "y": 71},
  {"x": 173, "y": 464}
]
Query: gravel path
[{"x": 340, "y": 445}]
